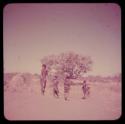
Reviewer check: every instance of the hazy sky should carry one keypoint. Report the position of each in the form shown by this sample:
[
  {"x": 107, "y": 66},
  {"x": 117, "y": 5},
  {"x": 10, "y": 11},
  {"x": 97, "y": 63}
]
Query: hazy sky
[{"x": 32, "y": 31}]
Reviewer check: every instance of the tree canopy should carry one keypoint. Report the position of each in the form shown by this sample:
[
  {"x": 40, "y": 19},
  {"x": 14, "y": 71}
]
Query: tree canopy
[{"x": 67, "y": 64}]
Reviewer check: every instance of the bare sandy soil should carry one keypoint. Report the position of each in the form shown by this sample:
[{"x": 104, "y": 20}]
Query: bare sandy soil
[{"x": 104, "y": 103}]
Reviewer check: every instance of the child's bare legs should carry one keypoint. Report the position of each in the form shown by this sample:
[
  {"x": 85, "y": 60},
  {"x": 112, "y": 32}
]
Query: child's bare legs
[
  {"x": 56, "y": 94},
  {"x": 66, "y": 94},
  {"x": 86, "y": 91},
  {"x": 84, "y": 94}
]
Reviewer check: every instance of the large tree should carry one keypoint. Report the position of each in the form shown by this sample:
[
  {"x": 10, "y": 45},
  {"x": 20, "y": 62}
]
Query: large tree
[{"x": 72, "y": 64}]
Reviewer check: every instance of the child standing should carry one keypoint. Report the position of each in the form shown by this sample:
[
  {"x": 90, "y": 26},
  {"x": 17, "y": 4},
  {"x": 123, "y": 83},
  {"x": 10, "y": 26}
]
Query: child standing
[
  {"x": 66, "y": 88},
  {"x": 85, "y": 89},
  {"x": 55, "y": 87}
]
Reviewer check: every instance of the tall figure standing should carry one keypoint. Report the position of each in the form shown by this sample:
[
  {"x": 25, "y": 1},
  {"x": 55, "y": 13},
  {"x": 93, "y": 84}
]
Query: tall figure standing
[{"x": 44, "y": 74}]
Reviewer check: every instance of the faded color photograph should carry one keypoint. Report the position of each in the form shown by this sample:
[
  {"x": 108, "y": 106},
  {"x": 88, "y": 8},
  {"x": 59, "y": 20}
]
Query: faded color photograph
[{"x": 62, "y": 61}]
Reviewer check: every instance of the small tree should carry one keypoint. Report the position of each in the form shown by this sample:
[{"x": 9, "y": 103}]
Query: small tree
[{"x": 69, "y": 63}]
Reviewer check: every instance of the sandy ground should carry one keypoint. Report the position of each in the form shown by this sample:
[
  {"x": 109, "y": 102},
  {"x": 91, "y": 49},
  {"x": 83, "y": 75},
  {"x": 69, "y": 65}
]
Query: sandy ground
[{"x": 104, "y": 103}]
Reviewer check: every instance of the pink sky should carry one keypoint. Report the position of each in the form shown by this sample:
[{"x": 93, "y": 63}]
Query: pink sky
[{"x": 32, "y": 31}]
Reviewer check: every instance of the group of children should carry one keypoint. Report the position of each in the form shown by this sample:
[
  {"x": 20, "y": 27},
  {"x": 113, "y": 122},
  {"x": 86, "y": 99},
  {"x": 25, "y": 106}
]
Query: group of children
[{"x": 67, "y": 85}]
